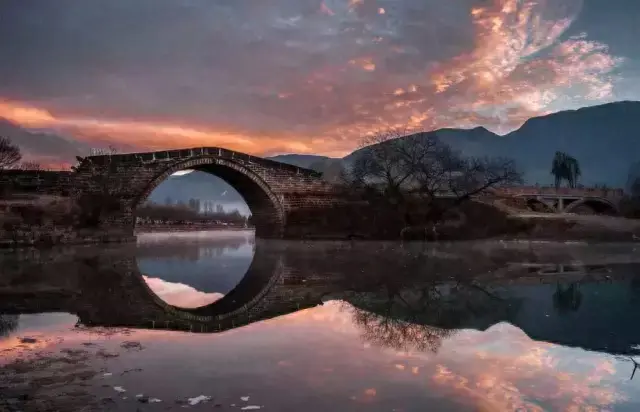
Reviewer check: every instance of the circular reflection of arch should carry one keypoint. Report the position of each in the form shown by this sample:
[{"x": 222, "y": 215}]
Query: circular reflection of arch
[
  {"x": 267, "y": 212},
  {"x": 265, "y": 271},
  {"x": 194, "y": 269}
]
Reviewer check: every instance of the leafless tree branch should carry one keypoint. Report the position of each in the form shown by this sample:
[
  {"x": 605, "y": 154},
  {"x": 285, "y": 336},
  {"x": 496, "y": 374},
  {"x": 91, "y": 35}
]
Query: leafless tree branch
[
  {"x": 395, "y": 165},
  {"x": 9, "y": 153},
  {"x": 30, "y": 165}
]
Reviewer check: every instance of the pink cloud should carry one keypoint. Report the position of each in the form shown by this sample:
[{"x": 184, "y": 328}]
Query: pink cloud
[{"x": 180, "y": 295}]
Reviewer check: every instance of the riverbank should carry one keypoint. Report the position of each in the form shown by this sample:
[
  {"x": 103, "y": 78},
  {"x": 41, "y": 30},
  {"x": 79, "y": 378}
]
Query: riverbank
[
  {"x": 477, "y": 222},
  {"x": 189, "y": 228},
  {"x": 571, "y": 227},
  {"x": 49, "y": 236}
]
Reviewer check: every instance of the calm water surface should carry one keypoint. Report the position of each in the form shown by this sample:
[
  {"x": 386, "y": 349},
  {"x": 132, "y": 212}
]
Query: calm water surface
[{"x": 218, "y": 321}]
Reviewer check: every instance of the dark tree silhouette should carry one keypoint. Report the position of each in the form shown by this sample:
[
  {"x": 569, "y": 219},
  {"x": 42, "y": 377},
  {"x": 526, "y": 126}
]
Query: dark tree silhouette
[
  {"x": 403, "y": 170},
  {"x": 396, "y": 165},
  {"x": 567, "y": 299},
  {"x": 9, "y": 153},
  {"x": 187, "y": 213},
  {"x": 388, "y": 332},
  {"x": 30, "y": 165},
  {"x": 565, "y": 167}
]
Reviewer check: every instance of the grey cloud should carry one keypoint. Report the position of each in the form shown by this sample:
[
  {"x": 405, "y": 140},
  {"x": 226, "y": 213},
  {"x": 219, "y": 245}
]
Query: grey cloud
[
  {"x": 48, "y": 145},
  {"x": 222, "y": 63},
  {"x": 36, "y": 145}
]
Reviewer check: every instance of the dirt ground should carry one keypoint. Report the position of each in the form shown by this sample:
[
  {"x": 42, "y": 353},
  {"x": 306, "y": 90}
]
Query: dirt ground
[{"x": 36, "y": 378}]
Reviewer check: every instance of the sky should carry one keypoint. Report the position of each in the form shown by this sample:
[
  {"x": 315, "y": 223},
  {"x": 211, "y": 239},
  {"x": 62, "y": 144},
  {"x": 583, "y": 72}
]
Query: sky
[{"x": 305, "y": 76}]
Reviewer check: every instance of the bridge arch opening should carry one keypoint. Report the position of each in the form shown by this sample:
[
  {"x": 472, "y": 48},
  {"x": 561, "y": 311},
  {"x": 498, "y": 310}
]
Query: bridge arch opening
[
  {"x": 592, "y": 207},
  {"x": 265, "y": 209},
  {"x": 189, "y": 270}
]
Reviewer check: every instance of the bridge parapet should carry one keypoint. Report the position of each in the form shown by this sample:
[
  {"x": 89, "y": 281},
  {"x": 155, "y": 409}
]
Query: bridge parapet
[
  {"x": 561, "y": 191},
  {"x": 186, "y": 154}
]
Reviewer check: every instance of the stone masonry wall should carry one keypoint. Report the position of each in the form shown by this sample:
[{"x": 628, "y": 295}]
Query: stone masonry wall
[
  {"x": 36, "y": 209},
  {"x": 35, "y": 182},
  {"x": 290, "y": 189}
]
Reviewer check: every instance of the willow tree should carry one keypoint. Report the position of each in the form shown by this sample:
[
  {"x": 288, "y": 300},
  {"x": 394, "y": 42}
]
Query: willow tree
[
  {"x": 9, "y": 153},
  {"x": 565, "y": 168}
]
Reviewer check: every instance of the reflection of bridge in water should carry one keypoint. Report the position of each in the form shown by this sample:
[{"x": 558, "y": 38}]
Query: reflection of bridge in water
[{"x": 448, "y": 287}]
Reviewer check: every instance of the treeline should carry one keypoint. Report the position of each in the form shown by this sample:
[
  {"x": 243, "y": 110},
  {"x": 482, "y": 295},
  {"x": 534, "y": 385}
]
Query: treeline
[{"x": 188, "y": 213}]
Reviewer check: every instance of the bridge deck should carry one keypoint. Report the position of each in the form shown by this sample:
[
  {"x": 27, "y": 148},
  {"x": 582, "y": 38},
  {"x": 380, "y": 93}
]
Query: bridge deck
[
  {"x": 565, "y": 192},
  {"x": 169, "y": 155}
]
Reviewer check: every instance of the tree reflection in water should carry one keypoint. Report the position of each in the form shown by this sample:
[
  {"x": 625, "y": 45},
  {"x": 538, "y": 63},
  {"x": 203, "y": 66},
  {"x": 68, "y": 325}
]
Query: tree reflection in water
[
  {"x": 421, "y": 315},
  {"x": 388, "y": 332},
  {"x": 8, "y": 324},
  {"x": 566, "y": 300}
]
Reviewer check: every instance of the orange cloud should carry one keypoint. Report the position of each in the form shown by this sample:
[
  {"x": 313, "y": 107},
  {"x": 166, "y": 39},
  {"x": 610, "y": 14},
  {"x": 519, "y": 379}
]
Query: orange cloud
[
  {"x": 519, "y": 61},
  {"x": 149, "y": 135}
]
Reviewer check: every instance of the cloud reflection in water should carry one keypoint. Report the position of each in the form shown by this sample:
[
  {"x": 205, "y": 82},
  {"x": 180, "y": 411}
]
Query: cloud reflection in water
[{"x": 180, "y": 295}]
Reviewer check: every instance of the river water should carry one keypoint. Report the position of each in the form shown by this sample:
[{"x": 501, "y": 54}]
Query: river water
[{"x": 220, "y": 321}]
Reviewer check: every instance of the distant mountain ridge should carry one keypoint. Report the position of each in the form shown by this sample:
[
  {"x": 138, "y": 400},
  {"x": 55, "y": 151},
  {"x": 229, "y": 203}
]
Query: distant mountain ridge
[
  {"x": 605, "y": 139},
  {"x": 300, "y": 160}
]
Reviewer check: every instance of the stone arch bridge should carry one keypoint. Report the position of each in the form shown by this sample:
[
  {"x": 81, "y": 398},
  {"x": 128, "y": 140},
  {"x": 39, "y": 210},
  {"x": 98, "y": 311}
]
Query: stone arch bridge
[{"x": 272, "y": 190}]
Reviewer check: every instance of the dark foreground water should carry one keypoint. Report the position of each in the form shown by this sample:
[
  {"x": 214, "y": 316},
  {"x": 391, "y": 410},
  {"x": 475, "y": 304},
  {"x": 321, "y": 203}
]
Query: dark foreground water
[{"x": 216, "y": 321}]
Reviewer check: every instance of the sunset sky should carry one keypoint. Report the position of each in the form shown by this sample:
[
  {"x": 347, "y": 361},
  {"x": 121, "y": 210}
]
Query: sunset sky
[{"x": 305, "y": 76}]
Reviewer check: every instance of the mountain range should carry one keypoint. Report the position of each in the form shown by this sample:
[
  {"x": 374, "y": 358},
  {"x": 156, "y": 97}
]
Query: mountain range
[{"x": 605, "y": 139}]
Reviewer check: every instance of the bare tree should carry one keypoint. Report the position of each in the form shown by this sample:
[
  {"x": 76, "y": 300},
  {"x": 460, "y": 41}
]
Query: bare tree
[
  {"x": 423, "y": 166},
  {"x": 30, "y": 165},
  {"x": 8, "y": 323},
  {"x": 9, "y": 153},
  {"x": 381, "y": 164}
]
